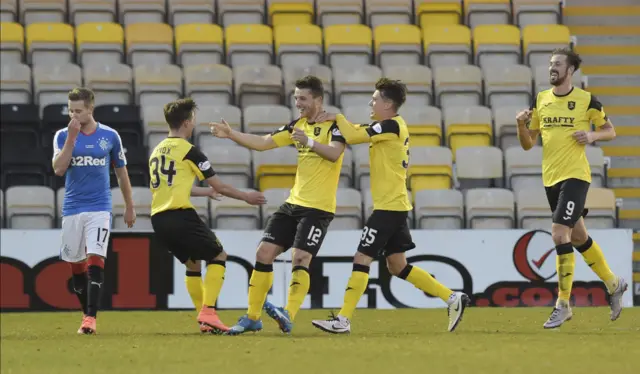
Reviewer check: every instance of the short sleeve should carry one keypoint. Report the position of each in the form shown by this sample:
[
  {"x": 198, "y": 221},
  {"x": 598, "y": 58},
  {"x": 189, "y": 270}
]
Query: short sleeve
[
  {"x": 199, "y": 164},
  {"x": 118, "y": 158},
  {"x": 596, "y": 112},
  {"x": 282, "y": 136},
  {"x": 534, "y": 124},
  {"x": 385, "y": 130},
  {"x": 58, "y": 142},
  {"x": 336, "y": 135}
]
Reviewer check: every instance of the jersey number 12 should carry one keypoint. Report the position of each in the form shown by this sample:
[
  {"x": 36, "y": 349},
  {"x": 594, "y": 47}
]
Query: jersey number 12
[{"x": 159, "y": 166}]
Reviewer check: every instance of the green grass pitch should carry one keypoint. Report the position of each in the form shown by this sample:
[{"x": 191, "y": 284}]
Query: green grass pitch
[{"x": 489, "y": 340}]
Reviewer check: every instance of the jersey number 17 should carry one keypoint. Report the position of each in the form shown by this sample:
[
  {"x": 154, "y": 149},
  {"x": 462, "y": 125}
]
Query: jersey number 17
[{"x": 159, "y": 166}]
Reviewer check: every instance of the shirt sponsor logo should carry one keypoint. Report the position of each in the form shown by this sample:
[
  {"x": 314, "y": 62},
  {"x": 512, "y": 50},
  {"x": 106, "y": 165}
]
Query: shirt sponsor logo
[{"x": 88, "y": 161}]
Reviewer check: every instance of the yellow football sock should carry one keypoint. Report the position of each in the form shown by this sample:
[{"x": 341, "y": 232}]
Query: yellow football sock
[
  {"x": 425, "y": 282},
  {"x": 298, "y": 290},
  {"x": 213, "y": 282},
  {"x": 355, "y": 288},
  {"x": 593, "y": 256},
  {"x": 195, "y": 287},
  {"x": 259, "y": 286},
  {"x": 565, "y": 266}
]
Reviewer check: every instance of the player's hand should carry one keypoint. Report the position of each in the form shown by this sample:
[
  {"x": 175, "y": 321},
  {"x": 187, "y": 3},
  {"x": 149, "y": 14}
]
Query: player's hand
[
  {"x": 524, "y": 117},
  {"x": 129, "y": 216},
  {"x": 583, "y": 137},
  {"x": 325, "y": 116},
  {"x": 255, "y": 198},
  {"x": 220, "y": 130},
  {"x": 215, "y": 195},
  {"x": 299, "y": 136},
  {"x": 74, "y": 128}
]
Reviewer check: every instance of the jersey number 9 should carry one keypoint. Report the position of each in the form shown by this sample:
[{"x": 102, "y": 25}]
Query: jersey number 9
[{"x": 160, "y": 167}]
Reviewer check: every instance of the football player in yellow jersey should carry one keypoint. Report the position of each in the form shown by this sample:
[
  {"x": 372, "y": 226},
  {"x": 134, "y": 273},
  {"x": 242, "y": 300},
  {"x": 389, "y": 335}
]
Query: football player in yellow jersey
[
  {"x": 173, "y": 166},
  {"x": 386, "y": 233},
  {"x": 302, "y": 221},
  {"x": 563, "y": 115}
]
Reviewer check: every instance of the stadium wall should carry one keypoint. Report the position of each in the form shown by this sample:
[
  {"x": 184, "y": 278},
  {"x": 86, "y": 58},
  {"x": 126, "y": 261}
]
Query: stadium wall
[{"x": 499, "y": 268}]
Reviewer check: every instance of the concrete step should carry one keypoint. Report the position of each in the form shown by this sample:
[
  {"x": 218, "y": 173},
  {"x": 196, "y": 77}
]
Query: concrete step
[
  {"x": 631, "y": 218},
  {"x": 613, "y": 81},
  {"x": 603, "y": 40},
  {"x": 623, "y": 178},
  {"x": 632, "y": 68},
  {"x": 624, "y": 162},
  {"x": 607, "y": 100},
  {"x": 604, "y": 30},
  {"x": 621, "y": 120},
  {"x": 578, "y": 3},
  {"x": 630, "y": 224},
  {"x": 602, "y": 15},
  {"x": 625, "y": 110},
  {"x": 625, "y": 141},
  {"x": 609, "y": 54},
  {"x": 613, "y": 151}
]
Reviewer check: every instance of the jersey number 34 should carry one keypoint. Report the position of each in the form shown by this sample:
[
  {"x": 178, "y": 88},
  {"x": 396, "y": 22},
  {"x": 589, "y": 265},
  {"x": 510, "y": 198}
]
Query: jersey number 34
[{"x": 158, "y": 166}]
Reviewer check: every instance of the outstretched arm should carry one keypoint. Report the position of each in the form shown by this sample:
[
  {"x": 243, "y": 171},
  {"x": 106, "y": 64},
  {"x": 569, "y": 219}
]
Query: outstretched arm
[
  {"x": 251, "y": 141},
  {"x": 353, "y": 134},
  {"x": 330, "y": 152}
]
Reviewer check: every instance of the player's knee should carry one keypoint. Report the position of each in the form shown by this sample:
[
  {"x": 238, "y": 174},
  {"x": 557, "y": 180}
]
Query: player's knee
[
  {"x": 222, "y": 256},
  {"x": 194, "y": 266},
  {"x": 579, "y": 238},
  {"x": 560, "y": 234},
  {"x": 301, "y": 258},
  {"x": 396, "y": 264},
  {"x": 362, "y": 259},
  {"x": 267, "y": 252}
]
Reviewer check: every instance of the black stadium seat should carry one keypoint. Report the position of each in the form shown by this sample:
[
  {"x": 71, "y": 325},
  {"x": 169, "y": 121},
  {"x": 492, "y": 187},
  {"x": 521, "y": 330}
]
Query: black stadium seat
[
  {"x": 123, "y": 118},
  {"x": 54, "y": 118},
  {"x": 137, "y": 166},
  {"x": 20, "y": 125},
  {"x": 29, "y": 167}
]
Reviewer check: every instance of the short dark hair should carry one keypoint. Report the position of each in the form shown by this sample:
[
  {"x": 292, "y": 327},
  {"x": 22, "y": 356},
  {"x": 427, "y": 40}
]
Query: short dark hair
[
  {"x": 176, "y": 112},
  {"x": 84, "y": 94},
  {"x": 393, "y": 90},
  {"x": 573, "y": 59},
  {"x": 313, "y": 84}
]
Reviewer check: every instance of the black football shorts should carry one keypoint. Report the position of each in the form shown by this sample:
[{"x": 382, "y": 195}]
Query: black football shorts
[
  {"x": 385, "y": 233},
  {"x": 567, "y": 200}
]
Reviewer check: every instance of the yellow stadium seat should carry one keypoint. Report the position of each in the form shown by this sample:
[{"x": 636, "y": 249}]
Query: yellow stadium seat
[
  {"x": 397, "y": 45},
  {"x": 43, "y": 11},
  {"x": 84, "y": 11},
  {"x": 430, "y": 168},
  {"x": 447, "y": 45},
  {"x": 249, "y": 44},
  {"x": 199, "y": 44},
  {"x": 438, "y": 12},
  {"x": 290, "y": 12},
  {"x": 496, "y": 45},
  {"x": 276, "y": 168},
  {"x": 11, "y": 42},
  {"x": 100, "y": 43},
  {"x": 149, "y": 43},
  {"x": 183, "y": 12},
  {"x": 50, "y": 43},
  {"x": 8, "y": 13},
  {"x": 601, "y": 203},
  {"x": 298, "y": 45},
  {"x": 539, "y": 40},
  {"x": 384, "y": 12},
  {"x": 487, "y": 12},
  {"x": 468, "y": 127},
  {"x": 424, "y": 124},
  {"x": 347, "y": 45}
]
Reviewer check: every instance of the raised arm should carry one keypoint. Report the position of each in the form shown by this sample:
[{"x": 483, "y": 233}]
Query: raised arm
[
  {"x": 353, "y": 134},
  {"x": 63, "y": 144},
  {"x": 251, "y": 141},
  {"x": 528, "y": 126}
]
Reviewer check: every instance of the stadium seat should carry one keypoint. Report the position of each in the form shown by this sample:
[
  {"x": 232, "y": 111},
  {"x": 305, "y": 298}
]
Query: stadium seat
[
  {"x": 383, "y": 12},
  {"x": 487, "y": 12},
  {"x": 257, "y": 85},
  {"x": 457, "y": 85},
  {"x": 597, "y": 164},
  {"x": 447, "y": 45},
  {"x": 439, "y": 210},
  {"x": 438, "y": 12},
  {"x": 42, "y": 11},
  {"x": 418, "y": 79},
  {"x": 83, "y": 11},
  {"x": 141, "y": 203},
  {"x": 430, "y": 168},
  {"x": 49, "y": 44},
  {"x": 154, "y": 125},
  {"x": 507, "y": 86},
  {"x": 490, "y": 208},
  {"x": 298, "y": 46},
  {"x": 100, "y": 43},
  {"x": 20, "y": 125},
  {"x": 54, "y": 118},
  {"x": 523, "y": 169},
  {"x": 479, "y": 167},
  {"x": 137, "y": 167},
  {"x": 275, "y": 197},
  {"x": 496, "y": 45},
  {"x": 15, "y": 87},
  {"x": 149, "y": 43},
  {"x": 533, "y": 208},
  {"x": 361, "y": 166},
  {"x": 275, "y": 168},
  {"x": 346, "y": 173},
  {"x": 24, "y": 168},
  {"x": 157, "y": 84},
  {"x": 199, "y": 44},
  {"x": 601, "y": 203},
  {"x": 111, "y": 83},
  {"x": 540, "y": 12},
  {"x": 52, "y": 83},
  {"x": 295, "y": 113},
  {"x": 367, "y": 201},
  {"x": 467, "y": 127},
  {"x": 291, "y": 75},
  {"x": 231, "y": 162},
  {"x": 347, "y": 45},
  {"x": 538, "y": 41},
  {"x": 123, "y": 118},
  {"x": 348, "y": 214},
  {"x": 359, "y": 114},
  {"x": 290, "y": 12},
  {"x": 249, "y": 45},
  {"x": 9, "y": 11},
  {"x": 541, "y": 78},
  {"x": 182, "y": 12},
  {"x": 231, "y": 12},
  {"x": 343, "y": 12},
  {"x": 30, "y": 208},
  {"x": 209, "y": 83},
  {"x": 264, "y": 119},
  {"x": 145, "y": 11},
  {"x": 232, "y": 214},
  {"x": 397, "y": 45},
  {"x": 214, "y": 113},
  {"x": 11, "y": 42},
  {"x": 424, "y": 124},
  {"x": 505, "y": 126},
  {"x": 354, "y": 86}
]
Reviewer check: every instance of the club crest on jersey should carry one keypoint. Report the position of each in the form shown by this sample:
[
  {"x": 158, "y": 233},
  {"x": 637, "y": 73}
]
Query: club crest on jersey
[
  {"x": 103, "y": 143},
  {"x": 316, "y": 131},
  {"x": 571, "y": 105}
]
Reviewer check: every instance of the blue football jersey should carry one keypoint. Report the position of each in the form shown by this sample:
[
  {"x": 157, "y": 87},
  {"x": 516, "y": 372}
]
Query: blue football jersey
[{"x": 87, "y": 187}]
